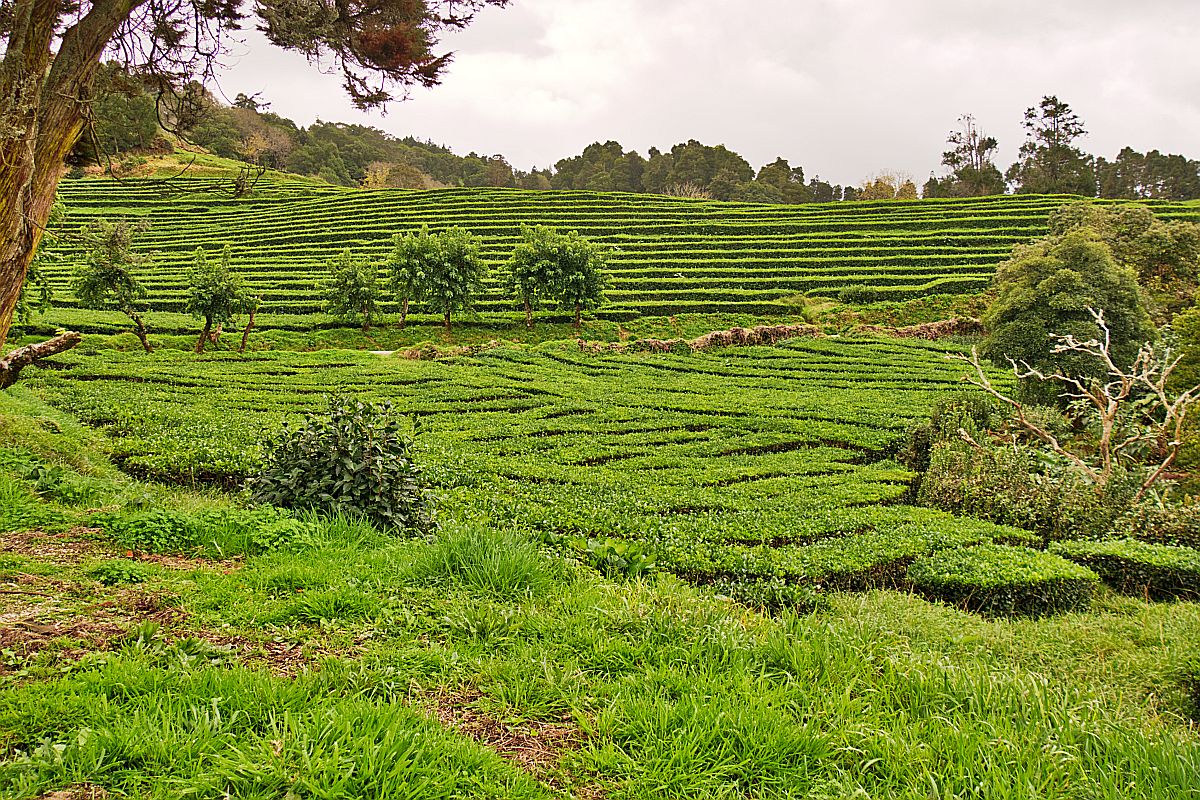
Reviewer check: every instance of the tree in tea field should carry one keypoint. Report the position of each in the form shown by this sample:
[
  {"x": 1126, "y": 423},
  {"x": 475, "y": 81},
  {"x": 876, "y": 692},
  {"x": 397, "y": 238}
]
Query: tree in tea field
[
  {"x": 352, "y": 290},
  {"x": 413, "y": 256},
  {"x": 248, "y": 304},
  {"x": 581, "y": 280},
  {"x": 535, "y": 269},
  {"x": 970, "y": 160},
  {"x": 214, "y": 295},
  {"x": 1165, "y": 255},
  {"x": 107, "y": 278},
  {"x": 453, "y": 274},
  {"x": 51, "y": 53},
  {"x": 1047, "y": 288},
  {"x": 1049, "y": 161}
]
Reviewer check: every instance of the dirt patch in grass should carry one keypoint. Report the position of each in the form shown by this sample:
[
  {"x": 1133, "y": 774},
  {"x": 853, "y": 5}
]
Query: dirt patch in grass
[
  {"x": 534, "y": 746},
  {"x": 72, "y": 547},
  {"x": 84, "y": 791},
  {"x": 283, "y": 659},
  {"x": 184, "y": 563},
  {"x": 92, "y": 627},
  {"x": 82, "y": 544}
]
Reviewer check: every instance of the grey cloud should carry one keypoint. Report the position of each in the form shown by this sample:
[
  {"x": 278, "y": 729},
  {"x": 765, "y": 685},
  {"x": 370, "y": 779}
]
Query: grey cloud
[{"x": 842, "y": 87}]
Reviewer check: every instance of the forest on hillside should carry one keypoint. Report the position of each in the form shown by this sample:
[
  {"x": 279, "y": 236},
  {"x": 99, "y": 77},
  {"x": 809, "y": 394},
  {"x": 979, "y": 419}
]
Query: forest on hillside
[{"x": 130, "y": 118}]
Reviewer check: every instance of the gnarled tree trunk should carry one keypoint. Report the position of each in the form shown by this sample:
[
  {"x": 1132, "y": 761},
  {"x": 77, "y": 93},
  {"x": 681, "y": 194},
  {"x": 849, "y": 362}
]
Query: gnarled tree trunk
[
  {"x": 204, "y": 335},
  {"x": 41, "y": 118},
  {"x": 139, "y": 330}
]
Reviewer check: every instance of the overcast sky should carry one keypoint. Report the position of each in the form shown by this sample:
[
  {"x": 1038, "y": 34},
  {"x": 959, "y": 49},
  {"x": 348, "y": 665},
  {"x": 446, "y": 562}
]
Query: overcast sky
[{"x": 844, "y": 88}]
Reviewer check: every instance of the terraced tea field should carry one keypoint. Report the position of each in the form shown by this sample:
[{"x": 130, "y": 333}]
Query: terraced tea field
[
  {"x": 670, "y": 255},
  {"x": 735, "y": 467}
]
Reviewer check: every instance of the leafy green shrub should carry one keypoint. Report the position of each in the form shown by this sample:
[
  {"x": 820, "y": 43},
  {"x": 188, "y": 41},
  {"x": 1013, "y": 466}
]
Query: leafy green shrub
[
  {"x": 615, "y": 557},
  {"x": 1005, "y": 581},
  {"x": 354, "y": 459},
  {"x": 970, "y": 412},
  {"x": 860, "y": 294},
  {"x": 1022, "y": 487},
  {"x": 118, "y": 572},
  {"x": 1160, "y": 523},
  {"x": 155, "y": 531},
  {"x": 1156, "y": 571},
  {"x": 223, "y": 532},
  {"x": 50, "y": 481}
]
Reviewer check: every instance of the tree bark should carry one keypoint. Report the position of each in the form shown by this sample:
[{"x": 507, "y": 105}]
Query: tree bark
[
  {"x": 203, "y": 335},
  {"x": 12, "y": 364},
  {"x": 140, "y": 330},
  {"x": 528, "y": 315},
  {"x": 403, "y": 313},
  {"x": 447, "y": 320},
  {"x": 578, "y": 315},
  {"x": 42, "y": 114},
  {"x": 246, "y": 332}
]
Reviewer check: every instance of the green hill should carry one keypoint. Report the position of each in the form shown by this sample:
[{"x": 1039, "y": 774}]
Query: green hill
[{"x": 670, "y": 255}]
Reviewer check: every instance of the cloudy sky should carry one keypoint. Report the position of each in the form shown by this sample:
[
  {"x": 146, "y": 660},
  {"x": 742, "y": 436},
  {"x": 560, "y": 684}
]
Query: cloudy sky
[{"x": 845, "y": 88}]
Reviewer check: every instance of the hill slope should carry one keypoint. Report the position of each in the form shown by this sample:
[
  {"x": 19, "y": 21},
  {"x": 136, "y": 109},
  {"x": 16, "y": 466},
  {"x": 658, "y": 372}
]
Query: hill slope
[{"x": 670, "y": 256}]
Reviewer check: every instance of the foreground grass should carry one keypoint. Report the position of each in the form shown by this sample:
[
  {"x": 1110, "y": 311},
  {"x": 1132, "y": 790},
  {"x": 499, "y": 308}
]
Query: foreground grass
[{"x": 349, "y": 663}]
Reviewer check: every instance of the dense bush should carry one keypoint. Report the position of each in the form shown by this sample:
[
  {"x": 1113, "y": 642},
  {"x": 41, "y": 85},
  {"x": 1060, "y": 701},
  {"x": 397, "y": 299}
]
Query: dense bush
[
  {"x": 616, "y": 558},
  {"x": 1016, "y": 485},
  {"x": 773, "y": 594},
  {"x": 861, "y": 294},
  {"x": 1155, "y": 571},
  {"x": 1047, "y": 287},
  {"x": 354, "y": 459},
  {"x": 1161, "y": 523},
  {"x": 1002, "y": 580}
]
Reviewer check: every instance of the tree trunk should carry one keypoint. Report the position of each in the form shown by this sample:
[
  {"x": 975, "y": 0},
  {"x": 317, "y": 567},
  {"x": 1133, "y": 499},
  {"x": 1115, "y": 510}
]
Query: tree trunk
[
  {"x": 403, "y": 313},
  {"x": 140, "y": 330},
  {"x": 246, "y": 331},
  {"x": 578, "y": 315},
  {"x": 12, "y": 364},
  {"x": 42, "y": 103},
  {"x": 528, "y": 315},
  {"x": 447, "y": 320},
  {"x": 203, "y": 335}
]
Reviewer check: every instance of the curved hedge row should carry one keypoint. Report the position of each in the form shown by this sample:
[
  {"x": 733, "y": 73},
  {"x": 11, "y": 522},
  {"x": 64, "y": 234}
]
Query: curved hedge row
[
  {"x": 1155, "y": 571},
  {"x": 1004, "y": 581}
]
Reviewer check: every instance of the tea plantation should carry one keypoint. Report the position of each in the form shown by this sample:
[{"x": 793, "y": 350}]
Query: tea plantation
[
  {"x": 669, "y": 255},
  {"x": 685, "y": 574}
]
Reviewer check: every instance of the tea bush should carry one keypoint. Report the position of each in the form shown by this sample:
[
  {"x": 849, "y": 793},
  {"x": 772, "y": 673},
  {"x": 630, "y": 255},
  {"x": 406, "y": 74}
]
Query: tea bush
[
  {"x": 1156, "y": 571},
  {"x": 1004, "y": 581},
  {"x": 1160, "y": 523}
]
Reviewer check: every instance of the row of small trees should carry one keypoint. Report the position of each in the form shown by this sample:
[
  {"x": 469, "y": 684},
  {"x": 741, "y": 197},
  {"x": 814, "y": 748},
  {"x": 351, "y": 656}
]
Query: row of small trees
[
  {"x": 444, "y": 273},
  {"x": 108, "y": 279}
]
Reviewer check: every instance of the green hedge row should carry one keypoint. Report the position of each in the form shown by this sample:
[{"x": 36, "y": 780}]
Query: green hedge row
[
  {"x": 1004, "y": 581},
  {"x": 1155, "y": 571}
]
